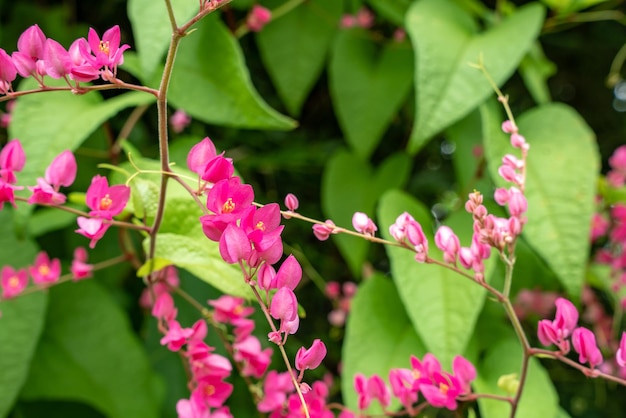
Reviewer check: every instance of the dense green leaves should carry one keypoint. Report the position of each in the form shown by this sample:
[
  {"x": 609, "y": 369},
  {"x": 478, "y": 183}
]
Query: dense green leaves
[
  {"x": 21, "y": 320},
  {"x": 539, "y": 398},
  {"x": 379, "y": 335},
  {"x": 349, "y": 185},
  {"x": 153, "y": 30},
  {"x": 443, "y": 305},
  {"x": 562, "y": 167},
  {"x": 368, "y": 82},
  {"x": 446, "y": 42},
  {"x": 88, "y": 352},
  {"x": 294, "y": 48},
  {"x": 210, "y": 81},
  {"x": 394, "y": 10}
]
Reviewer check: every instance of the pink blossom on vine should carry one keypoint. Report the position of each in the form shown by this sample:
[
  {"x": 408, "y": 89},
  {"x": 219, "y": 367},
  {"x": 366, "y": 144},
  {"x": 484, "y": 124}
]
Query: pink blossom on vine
[
  {"x": 370, "y": 389},
  {"x": 57, "y": 61},
  {"x": 194, "y": 407},
  {"x": 92, "y": 228},
  {"x": 179, "y": 120},
  {"x": 105, "y": 52},
  {"x": 255, "y": 361},
  {"x": 557, "y": 331},
  {"x": 599, "y": 226},
  {"x": 517, "y": 202},
  {"x": 227, "y": 199},
  {"x": 166, "y": 279},
  {"x": 258, "y": 17},
  {"x": 284, "y": 306},
  {"x": 200, "y": 154},
  {"x": 30, "y": 49},
  {"x": 8, "y": 72},
  {"x": 289, "y": 273},
  {"x": 80, "y": 269},
  {"x": 620, "y": 356},
  {"x": 584, "y": 342},
  {"x": 266, "y": 276},
  {"x": 323, "y": 231},
  {"x": 363, "y": 224},
  {"x": 229, "y": 308},
  {"x": 464, "y": 371},
  {"x": 401, "y": 381},
  {"x": 45, "y": 194},
  {"x": 13, "y": 281},
  {"x": 213, "y": 390},
  {"x": 62, "y": 170},
  {"x": 518, "y": 141},
  {"x": 443, "y": 391},
  {"x": 276, "y": 386},
  {"x": 164, "y": 307},
  {"x": 234, "y": 245},
  {"x": 508, "y": 127},
  {"x": 424, "y": 370},
  {"x": 104, "y": 201},
  {"x": 45, "y": 271},
  {"x": 617, "y": 175},
  {"x": 218, "y": 168},
  {"x": 12, "y": 159},
  {"x": 312, "y": 357},
  {"x": 291, "y": 202},
  {"x": 82, "y": 70},
  {"x": 447, "y": 241},
  {"x": 176, "y": 336}
]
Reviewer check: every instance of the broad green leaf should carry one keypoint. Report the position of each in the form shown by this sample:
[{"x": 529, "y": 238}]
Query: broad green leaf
[
  {"x": 210, "y": 81},
  {"x": 350, "y": 185},
  {"x": 465, "y": 136},
  {"x": 153, "y": 31},
  {"x": 535, "y": 69},
  {"x": 394, "y": 10},
  {"x": 539, "y": 398},
  {"x": 368, "y": 84},
  {"x": 446, "y": 42},
  {"x": 570, "y": 6},
  {"x": 294, "y": 48},
  {"x": 443, "y": 306},
  {"x": 562, "y": 168},
  {"x": 49, "y": 123},
  {"x": 198, "y": 255},
  {"x": 88, "y": 352},
  {"x": 379, "y": 335},
  {"x": 22, "y": 319}
]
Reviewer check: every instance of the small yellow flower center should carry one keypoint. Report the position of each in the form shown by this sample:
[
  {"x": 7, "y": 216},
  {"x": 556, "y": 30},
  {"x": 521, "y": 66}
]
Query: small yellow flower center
[
  {"x": 106, "y": 202},
  {"x": 238, "y": 310},
  {"x": 44, "y": 270},
  {"x": 209, "y": 390},
  {"x": 443, "y": 388},
  {"x": 14, "y": 282},
  {"x": 260, "y": 225},
  {"x": 104, "y": 47},
  {"x": 229, "y": 206}
]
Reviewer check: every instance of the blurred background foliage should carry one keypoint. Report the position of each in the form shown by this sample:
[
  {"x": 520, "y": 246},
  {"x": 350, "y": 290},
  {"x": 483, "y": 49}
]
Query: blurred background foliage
[{"x": 576, "y": 54}]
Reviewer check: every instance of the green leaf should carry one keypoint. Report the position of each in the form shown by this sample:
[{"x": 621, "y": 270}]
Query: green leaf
[
  {"x": 294, "y": 47},
  {"x": 446, "y": 42},
  {"x": 536, "y": 68},
  {"x": 52, "y": 122},
  {"x": 198, "y": 255},
  {"x": 562, "y": 168},
  {"x": 88, "y": 352},
  {"x": 377, "y": 320},
  {"x": 350, "y": 185},
  {"x": 539, "y": 398},
  {"x": 442, "y": 305},
  {"x": 210, "y": 81},
  {"x": 368, "y": 84},
  {"x": 22, "y": 319},
  {"x": 394, "y": 10},
  {"x": 153, "y": 30}
]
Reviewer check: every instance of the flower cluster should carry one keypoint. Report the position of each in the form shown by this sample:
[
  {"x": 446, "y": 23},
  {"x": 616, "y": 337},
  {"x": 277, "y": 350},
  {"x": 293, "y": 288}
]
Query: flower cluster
[
  {"x": 364, "y": 18},
  {"x": 439, "y": 388},
  {"x": 617, "y": 175},
  {"x": 341, "y": 297},
  {"x": 563, "y": 327},
  {"x": 84, "y": 61},
  {"x": 44, "y": 272}
]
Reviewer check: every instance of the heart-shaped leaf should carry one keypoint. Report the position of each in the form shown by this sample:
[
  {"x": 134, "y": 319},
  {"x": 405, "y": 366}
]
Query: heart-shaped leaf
[
  {"x": 368, "y": 84},
  {"x": 211, "y": 82},
  {"x": 153, "y": 30},
  {"x": 446, "y": 42},
  {"x": 294, "y": 48},
  {"x": 442, "y": 304},
  {"x": 350, "y": 185},
  {"x": 377, "y": 319},
  {"x": 562, "y": 168}
]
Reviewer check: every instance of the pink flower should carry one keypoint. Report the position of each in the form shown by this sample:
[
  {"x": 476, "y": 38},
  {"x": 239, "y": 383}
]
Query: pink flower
[
  {"x": 447, "y": 241},
  {"x": 289, "y": 273},
  {"x": 401, "y": 381},
  {"x": 584, "y": 342},
  {"x": 369, "y": 389},
  {"x": 234, "y": 245},
  {"x": 80, "y": 269},
  {"x": 363, "y": 224},
  {"x": 12, "y": 159},
  {"x": 443, "y": 391},
  {"x": 107, "y": 51},
  {"x": 284, "y": 305},
  {"x": 464, "y": 371},
  {"x": 323, "y": 231},
  {"x": 620, "y": 356},
  {"x": 200, "y": 154},
  {"x": 13, "y": 282},
  {"x": 229, "y": 308},
  {"x": 312, "y": 357},
  {"x": 57, "y": 60},
  {"x": 257, "y": 19},
  {"x": 214, "y": 391},
  {"x": 176, "y": 336},
  {"x": 104, "y": 201},
  {"x": 6, "y": 193},
  {"x": 164, "y": 307},
  {"x": 255, "y": 361},
  {"x": 179, "y": 121},
  {"x": 60, "y": 172},
  {"x": 30, "y": 49},
  {"x": 8, "y": 72},
  {"x": 45, "y": 271},
  {"x": 218, "y": 168},
  {"x": 275, "y": 388},
  {"x": 82, "y": 70},
  {"x": 92, "y": 228},
  {"x": 291, "y": 202}
]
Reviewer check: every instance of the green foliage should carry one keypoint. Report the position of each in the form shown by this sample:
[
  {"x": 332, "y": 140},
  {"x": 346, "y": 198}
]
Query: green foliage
[
  {"x": 294, "y": 48},
  {"x": 379, "y": 335},
  {"x": 447, "y": 42},
  {"x": 365, "y": 113},
  {"x": 562, "y": 167},
  {"x": 211, "y": 82}
]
